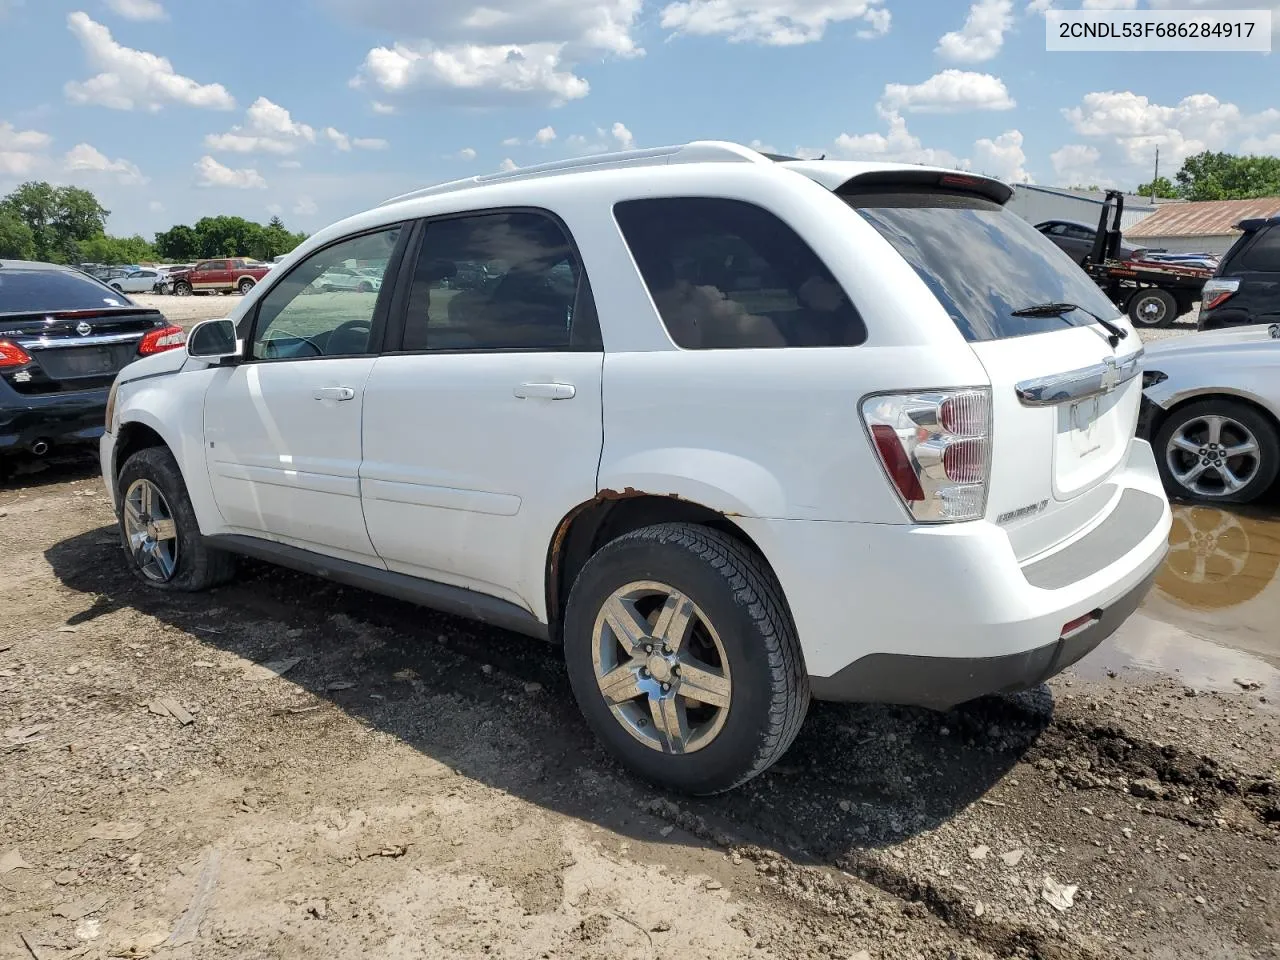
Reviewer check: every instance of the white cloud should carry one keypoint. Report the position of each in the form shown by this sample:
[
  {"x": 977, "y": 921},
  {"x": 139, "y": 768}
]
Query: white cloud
[
  {"x": 625, "y": 139},
  {"x": 761, "y": 147},
  {"x": 290, "y": 164},
  {"x": 134, "y": 79},
  {"x": 370, "y": 143},
  {"x": 512, "y": 142},
  {"x": 1077, "y": 164},
  {"x": 305, "y": 207},
  {"x": 20, "y": 150},
  {"x": 268, "y": 128},
  {"x": 382, "y": 108},
  {"x": 475, "y": 74},
  {"x": 951, "y": 91},
  {"x": 982, "y": 35},
  {"x": 210, "y": 173},
  {"x": 545, "y": 135},
  {"x": 155, "y": 206},
  {"x": 138, "y": 9},
  {"x": 773, "y": 22},
  {"x": 899, "y": 145},
  {"x": 508, "y": 165},
  {"x": 1138, "y": 126},
  {"x": 83, "y": 157},
  {"x": 1002, "y": 157},
  {"x": 466, "y": 153},
  {"x": 339, "y": 139}
]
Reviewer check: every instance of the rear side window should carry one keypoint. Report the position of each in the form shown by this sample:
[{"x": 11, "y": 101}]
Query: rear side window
[
  {"x": 22, "y": 291},
  {"x": 983, "y": 262},
  {"x": 1264, "y": 253},
  {"x": 725, "y": 274}
]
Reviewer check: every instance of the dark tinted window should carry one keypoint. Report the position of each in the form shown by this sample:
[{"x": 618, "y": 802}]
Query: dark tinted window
[
  {"x": 983, "y": 262},
  {"x": 1264, "y": 253},
  {"x": 499, "y": 281},
  {"x": 24, "y": 290},
  {"x": 725, "y": 274}
]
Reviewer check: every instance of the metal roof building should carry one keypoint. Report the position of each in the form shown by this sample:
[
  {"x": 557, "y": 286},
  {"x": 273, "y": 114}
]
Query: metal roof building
[{"x": 1206, "y": 226}]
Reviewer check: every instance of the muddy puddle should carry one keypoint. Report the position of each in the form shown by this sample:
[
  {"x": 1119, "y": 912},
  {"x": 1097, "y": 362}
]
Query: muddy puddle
[{"x": 1213, "y": 617}]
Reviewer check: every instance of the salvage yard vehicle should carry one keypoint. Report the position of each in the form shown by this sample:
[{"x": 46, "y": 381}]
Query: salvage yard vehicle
[
  {"x": 146, "y": 280},
  {"x": 218, "y": 276},
  {"x": 1211, "y": 407},
  {"x": 1246, "y": 287},
  {"x": 735, "y": 430},
  {"x": 63, "y": 337}
]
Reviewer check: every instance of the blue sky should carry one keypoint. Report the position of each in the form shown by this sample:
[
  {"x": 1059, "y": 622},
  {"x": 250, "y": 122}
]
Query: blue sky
[{"x": 174, "y": 109}]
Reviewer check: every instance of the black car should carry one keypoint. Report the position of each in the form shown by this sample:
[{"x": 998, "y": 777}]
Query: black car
[
  {"x": 1246, "y": 288},
  {"x": 63, "y": 338},
  {"x": 1076, "y": 239}
]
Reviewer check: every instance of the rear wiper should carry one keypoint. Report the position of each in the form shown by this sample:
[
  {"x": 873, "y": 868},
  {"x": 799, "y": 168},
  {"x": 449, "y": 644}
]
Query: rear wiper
[{"x": 1116, "y": 334}]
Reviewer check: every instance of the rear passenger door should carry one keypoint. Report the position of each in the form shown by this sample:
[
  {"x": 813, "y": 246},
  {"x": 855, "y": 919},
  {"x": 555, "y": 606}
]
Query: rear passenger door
[{"x": 482, "y": 421}]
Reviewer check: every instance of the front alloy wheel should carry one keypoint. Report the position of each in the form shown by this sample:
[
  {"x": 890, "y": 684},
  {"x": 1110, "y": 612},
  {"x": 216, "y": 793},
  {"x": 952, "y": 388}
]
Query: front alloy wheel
[
  {"x": 661, "y": 667},
  {"x": 151, "y": 532}
]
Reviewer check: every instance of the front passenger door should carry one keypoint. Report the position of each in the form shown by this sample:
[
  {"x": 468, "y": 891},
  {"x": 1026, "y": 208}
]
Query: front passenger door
[{"x": 283, "y": 428}]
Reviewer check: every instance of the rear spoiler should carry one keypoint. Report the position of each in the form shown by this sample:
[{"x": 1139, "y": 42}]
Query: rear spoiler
[
  {"x": 881, "y": 181},
  {"x": 1254, "y": 224}
]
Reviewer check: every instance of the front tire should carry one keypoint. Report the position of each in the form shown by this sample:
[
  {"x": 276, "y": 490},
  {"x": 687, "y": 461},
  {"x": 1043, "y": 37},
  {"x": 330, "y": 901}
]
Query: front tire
[
  {"x": 1153, "y": 308},
  {"x": 1217, "y": 451},
  {"x": 683, "y": 657},
  {"x": 158, "y": 527}
]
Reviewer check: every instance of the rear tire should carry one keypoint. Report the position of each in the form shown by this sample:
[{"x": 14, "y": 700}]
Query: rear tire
[
  {"x": 151, "y": 493},
  {"x": 739, "y": 650},
  {"x": 1189, "y": 430},
  {"x": 182, "y": 289},
  {"x": 245, "y": 286},
  {"x": 1153, "y": 308}
]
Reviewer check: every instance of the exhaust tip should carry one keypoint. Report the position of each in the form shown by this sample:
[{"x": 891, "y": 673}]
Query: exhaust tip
[{"x": 40, "y": 447}]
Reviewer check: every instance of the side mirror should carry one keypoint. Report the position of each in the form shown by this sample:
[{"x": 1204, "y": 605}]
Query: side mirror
[{"x": 213, "y": 341}]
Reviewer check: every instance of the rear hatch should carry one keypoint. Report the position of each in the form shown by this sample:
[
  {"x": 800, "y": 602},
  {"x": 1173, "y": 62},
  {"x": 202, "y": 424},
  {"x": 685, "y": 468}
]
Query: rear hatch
[
  {"x": 63, "y": 331},
  {"x": 1065, "y": 389}
]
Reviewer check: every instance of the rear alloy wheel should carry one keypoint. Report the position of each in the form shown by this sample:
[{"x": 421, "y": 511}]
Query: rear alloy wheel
[
  {"x": 158, "y": 527},
  {"x": 245, "y": 286},
  {"x": 1153, "y": 308},
  {"x": 1218, "y": 450},
  {"x": 682, "y": 655},
  {"x": 182, "y": 289}
]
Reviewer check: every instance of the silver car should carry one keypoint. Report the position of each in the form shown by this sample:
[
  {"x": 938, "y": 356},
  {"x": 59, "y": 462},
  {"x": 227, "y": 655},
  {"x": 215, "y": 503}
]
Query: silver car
[{"x": 1211, "y": 409}]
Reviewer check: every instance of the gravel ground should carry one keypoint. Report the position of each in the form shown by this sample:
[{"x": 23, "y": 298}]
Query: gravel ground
[
  {"x": 287, "y": 769},
  {"x": 186, "y": 311}
]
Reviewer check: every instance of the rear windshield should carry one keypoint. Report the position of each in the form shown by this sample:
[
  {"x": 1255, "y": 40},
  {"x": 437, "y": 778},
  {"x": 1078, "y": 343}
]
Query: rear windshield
[
  {"x": 983, "y": 262},
  {"x": 26, "y": 291}
]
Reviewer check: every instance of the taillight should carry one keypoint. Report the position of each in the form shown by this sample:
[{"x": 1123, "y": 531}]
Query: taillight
[
  {"x": 12, "y": 355},
  {"x": 1217, "y": 292},
  {"x": 165, "y": 338},
  {"x": 935, "y": 447}
]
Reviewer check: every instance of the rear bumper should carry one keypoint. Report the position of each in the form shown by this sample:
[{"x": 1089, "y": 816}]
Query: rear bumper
[
  {"x": 936, "y": 615},
  {"x": 56, "y": 418}
]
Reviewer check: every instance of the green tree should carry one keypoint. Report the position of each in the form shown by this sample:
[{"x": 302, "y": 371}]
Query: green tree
[
  {"x": 17, "y": 242},
  {"x": 104, "y": 249},
  {"x": 1226, "y": 176},
  {"x": 1161, "y": 186},
  {"x": 177, "y": 244},
  {"x": 58, "y": 217}
]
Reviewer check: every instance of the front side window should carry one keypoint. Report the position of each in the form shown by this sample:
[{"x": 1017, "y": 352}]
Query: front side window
[
  {"x": 725, "y": 274},
  {"x": 498, "y": 281},
  {"x": 305, "y": 316}
]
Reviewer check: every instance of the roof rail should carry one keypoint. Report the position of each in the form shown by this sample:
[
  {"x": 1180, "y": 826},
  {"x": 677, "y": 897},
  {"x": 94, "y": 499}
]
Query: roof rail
[{"x": 698, "y": 151}]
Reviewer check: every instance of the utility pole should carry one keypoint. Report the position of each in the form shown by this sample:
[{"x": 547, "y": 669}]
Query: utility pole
[{"x": 1156, "y": 177}]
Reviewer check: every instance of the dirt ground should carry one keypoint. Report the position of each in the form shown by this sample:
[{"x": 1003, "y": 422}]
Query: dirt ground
[{"x": 287, "y": 769}]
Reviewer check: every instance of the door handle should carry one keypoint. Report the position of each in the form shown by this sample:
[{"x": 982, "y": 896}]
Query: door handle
[
  {"x": 334, "y": 393},
  {"x": 546, "y": 391}
]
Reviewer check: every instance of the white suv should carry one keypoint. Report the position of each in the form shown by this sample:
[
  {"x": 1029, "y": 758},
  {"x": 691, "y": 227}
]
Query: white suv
[{"x": 736, "y": 430}]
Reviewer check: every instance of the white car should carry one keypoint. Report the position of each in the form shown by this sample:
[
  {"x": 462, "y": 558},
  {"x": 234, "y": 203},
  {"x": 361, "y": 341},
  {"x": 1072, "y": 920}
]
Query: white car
[
  {"x": 140, "y": 281},
  {"x": 1212, "y": 412},
  {"x": 736, "y": 431},
  {"x": 342, "y": 278}
]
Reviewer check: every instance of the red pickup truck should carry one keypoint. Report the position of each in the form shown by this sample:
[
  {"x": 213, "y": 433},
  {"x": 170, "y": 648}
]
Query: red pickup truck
[{"x": 217, "y": 276}]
